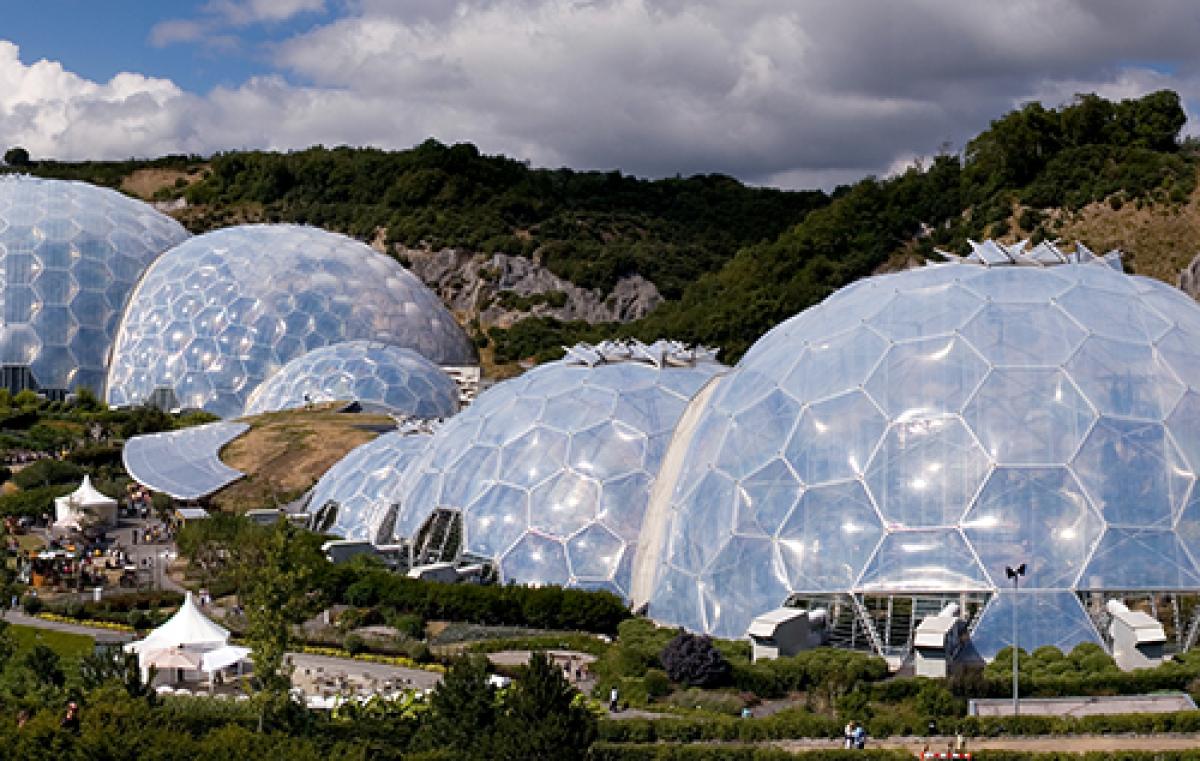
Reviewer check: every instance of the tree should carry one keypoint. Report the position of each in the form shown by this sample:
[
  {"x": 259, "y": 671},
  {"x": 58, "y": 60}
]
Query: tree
[
  {"x": 543, "y": 717},
  {"x": 275, "y": 598},
  {"x": 463, "y": 711},
  {"x": 695, "y": 661},
  {"x": 16, "y": 156},
  {"x": 45, "y": 665}
]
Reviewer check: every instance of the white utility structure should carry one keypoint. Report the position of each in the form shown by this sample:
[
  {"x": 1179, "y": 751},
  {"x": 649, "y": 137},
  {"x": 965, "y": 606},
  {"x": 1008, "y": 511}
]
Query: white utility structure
[
  {"x": 937, "y": 642},
  {"x": 1137, "y": 638},
  {"x": 786, "y": 631}
]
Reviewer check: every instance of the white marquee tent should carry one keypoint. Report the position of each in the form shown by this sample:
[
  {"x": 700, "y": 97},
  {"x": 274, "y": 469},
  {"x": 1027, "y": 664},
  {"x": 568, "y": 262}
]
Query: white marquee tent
[
  {"x": 85, "y": 505},
  {"x": 191, "y": 645}
]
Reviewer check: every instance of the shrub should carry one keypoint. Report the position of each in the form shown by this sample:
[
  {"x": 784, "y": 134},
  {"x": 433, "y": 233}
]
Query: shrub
[
  {"x": 693, "y": 660},
  {"x": 353, "y": 643},
  {"x": 32, "y": 604},
  {"x": 657, "y": 683}
]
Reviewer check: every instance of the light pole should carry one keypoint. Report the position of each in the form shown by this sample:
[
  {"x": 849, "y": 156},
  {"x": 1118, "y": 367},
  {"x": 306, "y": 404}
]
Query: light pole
[{"x": 1015, "y": 574}]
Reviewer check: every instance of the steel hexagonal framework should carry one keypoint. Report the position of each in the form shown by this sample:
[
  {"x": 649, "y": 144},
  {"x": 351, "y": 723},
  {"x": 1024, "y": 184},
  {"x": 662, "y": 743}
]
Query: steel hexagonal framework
[
  {"x": 917, "y": 431},
  {"x": 377, "y": 376},
  {"x": 71, "y": 253},
  {"x": 215, "y": 317},
  {"x": 550, "y": 471}
]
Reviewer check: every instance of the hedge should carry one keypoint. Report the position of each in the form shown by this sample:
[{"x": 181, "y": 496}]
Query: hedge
[
  {"x": 603, "y": 751},
  {"x": 795, "y": 724}
]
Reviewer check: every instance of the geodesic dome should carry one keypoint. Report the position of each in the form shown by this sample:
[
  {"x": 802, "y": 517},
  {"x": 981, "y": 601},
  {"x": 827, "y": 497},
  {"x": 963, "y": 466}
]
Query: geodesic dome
[
  {"x": 71, "y": 254},
  {"x": 550, "y": 471},
  {"x": 377, "y": 376},
  {"x": 917, "y": 432},
  {"x": 215, "y": 317},
  {"x": 356, "y": 498}
]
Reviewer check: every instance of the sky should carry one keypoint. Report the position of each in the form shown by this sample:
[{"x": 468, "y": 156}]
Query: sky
[{"x": 788, "y": 93}]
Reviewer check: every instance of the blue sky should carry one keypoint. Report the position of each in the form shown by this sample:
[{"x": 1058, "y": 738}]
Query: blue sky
[
  {"x": 99, "y": 38},
  {"x": 795, "y": 93}
]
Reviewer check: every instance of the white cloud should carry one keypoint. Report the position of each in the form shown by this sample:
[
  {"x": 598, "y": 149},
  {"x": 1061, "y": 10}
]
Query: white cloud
[{"x": 772, "y": 91}]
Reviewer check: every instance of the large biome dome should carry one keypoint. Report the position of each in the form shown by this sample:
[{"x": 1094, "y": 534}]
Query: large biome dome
[
  {"x": 70, "y": 253},
  {"x": 548, "y": 473},
  {"x": 380, "y": 378},
  {"x": 215, "y": 317},
  {"x": 916, "y": 433}
]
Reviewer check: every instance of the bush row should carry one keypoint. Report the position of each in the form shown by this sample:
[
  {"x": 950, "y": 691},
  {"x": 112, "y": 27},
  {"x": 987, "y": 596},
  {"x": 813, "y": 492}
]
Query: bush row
[
  {"x": 796, "y": 724},
  {"x": 603, "y": 751},
  {"x": 536, "y": 607}
]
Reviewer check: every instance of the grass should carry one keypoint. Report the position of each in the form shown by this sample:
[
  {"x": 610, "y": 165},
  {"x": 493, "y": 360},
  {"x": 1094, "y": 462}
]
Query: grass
[{"x": 65, "y": 644}]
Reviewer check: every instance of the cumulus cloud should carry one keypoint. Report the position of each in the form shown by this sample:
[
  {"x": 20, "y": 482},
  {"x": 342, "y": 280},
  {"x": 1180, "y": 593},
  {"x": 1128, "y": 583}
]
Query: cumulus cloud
[{"x": 771, "y": 91}]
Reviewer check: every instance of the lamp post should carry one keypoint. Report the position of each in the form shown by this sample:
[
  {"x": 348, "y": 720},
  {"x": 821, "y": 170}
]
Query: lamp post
[{"x": 1015, "y": 574}]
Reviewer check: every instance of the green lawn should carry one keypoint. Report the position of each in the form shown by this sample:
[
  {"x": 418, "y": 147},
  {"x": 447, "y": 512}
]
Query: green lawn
[{"x": 65, "y": 644}]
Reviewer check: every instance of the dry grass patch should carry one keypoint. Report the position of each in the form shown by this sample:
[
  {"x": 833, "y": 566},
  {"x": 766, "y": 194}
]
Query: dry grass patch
[{"x": 285, "y": 453}]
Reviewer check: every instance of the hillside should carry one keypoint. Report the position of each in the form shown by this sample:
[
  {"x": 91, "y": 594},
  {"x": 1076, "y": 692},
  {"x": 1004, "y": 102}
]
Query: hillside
[{"x": 531, "y": 259}]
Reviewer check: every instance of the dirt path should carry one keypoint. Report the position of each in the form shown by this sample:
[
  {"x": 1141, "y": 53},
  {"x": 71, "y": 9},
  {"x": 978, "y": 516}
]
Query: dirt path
[{"x": 1067, "y": 743}]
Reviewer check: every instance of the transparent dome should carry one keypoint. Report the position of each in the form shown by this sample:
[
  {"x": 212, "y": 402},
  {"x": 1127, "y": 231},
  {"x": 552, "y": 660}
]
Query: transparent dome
[
  {"x": 918, "y": 432},
  {"x": 71, "y": 254},
  {"x": 379, "y": 377},
  {"x": 356, "y": 498},
  {"x": 218, "y": 315},
  {"x": 550, "y": 471}
]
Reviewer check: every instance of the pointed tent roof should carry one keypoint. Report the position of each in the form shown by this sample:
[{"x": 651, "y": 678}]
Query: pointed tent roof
[
  {"x": 188, "y": 627},
  {"x": 87, "y": 495}
]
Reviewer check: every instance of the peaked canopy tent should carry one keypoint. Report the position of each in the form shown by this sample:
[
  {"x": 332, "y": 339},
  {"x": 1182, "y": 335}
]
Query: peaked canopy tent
[
  {"x": 190, "y": 643},
  {"x": 85, "y": 505}
]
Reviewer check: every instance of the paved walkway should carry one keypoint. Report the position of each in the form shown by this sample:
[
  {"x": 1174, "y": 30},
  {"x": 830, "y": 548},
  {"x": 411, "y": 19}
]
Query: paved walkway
[
  {"x": 102, "y": 636},
  {"x": 1064, "y": 743}
]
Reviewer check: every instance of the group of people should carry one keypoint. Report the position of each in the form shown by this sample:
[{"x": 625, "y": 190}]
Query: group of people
[{"x": 854, "y": 736}]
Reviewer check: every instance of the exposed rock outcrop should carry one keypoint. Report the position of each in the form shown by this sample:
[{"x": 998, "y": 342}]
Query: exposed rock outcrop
[
  {"x": 499, "y": 289},
  {"x": 1189, "y": 278}
]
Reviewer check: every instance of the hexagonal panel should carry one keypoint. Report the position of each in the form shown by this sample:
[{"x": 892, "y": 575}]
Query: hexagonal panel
[
  {"x": 923, "y": 561},
  {"x": 1036, "y": 516},
  {"x": 926, "y": 377},
  {"x": 1131, "y": 559},
  {"x": 828, "y": 537},
  {"x": 496, "y": 520},
  {"x": 564, "y": 504},
  {"x": 595, "y": 553},
  {"x": 1121, "y": 319},
  {"x": 835, "y": 365},
  {"x": 697, "y": 537},
  {"x": 924, "y": 312},
  {"x": 835, "y": 438},
  {"x": 1132, "y": 472},
  {"x": 926, "y": 472},
  {"x": 766, "y": 496},
  {"x": 535, "y": 560},
  {"x": 1124, "y": 379},
  {"x": 758, "y": 434},
  {"x": 1029, "y": 415},
  {"x": 741, "y": 583},
  {"x": 1023, "y": 334},
  {"x": 533, "y": 457},
  {"x": 1044, "y": 618},
  {"x": 608, "y": 449}
]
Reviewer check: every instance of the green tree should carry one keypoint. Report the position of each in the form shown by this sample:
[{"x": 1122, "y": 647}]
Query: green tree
[
  {"x": 16, "y": 156},
  {"x": 463, "y": 711},
  {"x": 275, "y": 597},
  {"x": 543, "y": 717}
]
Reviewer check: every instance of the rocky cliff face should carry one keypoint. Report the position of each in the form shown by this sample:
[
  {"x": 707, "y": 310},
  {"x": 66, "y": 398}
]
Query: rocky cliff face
[
  {"x": 500, "y": 290},
  {"x": 1189, "y": 278}
]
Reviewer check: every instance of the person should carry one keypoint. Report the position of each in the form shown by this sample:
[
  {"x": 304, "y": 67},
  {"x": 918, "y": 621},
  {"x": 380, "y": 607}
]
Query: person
[
  {"x": 70, "y": 721},
  {"x": 613, "y": 696},
  {"x": 746, "y": 712},
  {"x": 860, "y": 737},
  {"x": 22, "y": 718},
  {"x": 848, "y": 736}
]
